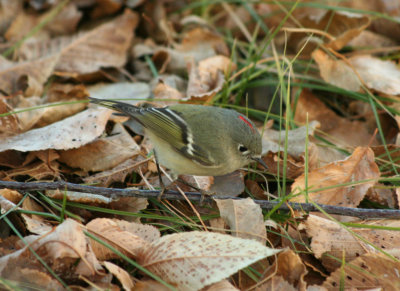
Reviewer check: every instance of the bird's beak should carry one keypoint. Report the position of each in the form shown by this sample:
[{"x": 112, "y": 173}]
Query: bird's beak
[{"x": 260, "y": 161}]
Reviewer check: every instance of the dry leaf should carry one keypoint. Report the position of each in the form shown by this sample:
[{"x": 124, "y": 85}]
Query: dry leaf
[
  {"x": 8, "y": 11},
  {"x": 116, "y": 174},
  {"x": 336, "y": 72},
  {"x": 43, "y": 116},
  {"x": 273, "y": 143},
  {"x": 105, "y": 7},
  {"x": 65, "y": 23},
  {"x": 223, "y": 285},
  {"x": 9, "y": 124},
  {"x": 87, "y": 52},
  {"x": 382, "y": 194},
  {"x": 328, "y": 237},
  {"x": 147, "y": 232},
  {"x": 122, "y": 90},
  {"x": 206, "y": 79},
  {"x": 340, "y": 131},
  {"x": 231, "y": 184},
  {"x": 37, "y": 170},
  {"x": 35, "y": 279},
  {"x": 27, "y": 77},
  {"x": 121, "y": 238},
  {"x": 244, "y": 218},
  {"x": 274, "y": 140},
  {"x": 167, "y": 92},
  {"x": 256, "y": 191},
  {"x": 192, "y": 260},
  {"x": 378, "y": 75},
  {"x": 123, "y": 276},
  {"x": 197, "y": 44},
  {"x": 368, "y": 272},
  {"x": 359, "y": 166},
  {"x": 288, "y": 270},
  {"x": 11, "y": 195},
  {"x": 35, "y": 223},
  {"x": 60, "y": 249},
  {"x": 277, "y": 283},
  {"x": 370, "y": 39},
  {"x": 341, "y": 26},
  {"x": 104, "y": 153},
  {"x": 150, "y": 285},
  {"x": 71, "y": 132}
]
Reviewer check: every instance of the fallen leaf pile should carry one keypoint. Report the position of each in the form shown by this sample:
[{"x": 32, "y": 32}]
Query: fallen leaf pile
[{"x": 320, "y": 81}]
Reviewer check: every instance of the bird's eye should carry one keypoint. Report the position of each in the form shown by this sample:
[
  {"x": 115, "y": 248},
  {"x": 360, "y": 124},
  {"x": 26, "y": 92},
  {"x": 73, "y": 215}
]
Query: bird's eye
[{"x": 242, "y": 148}]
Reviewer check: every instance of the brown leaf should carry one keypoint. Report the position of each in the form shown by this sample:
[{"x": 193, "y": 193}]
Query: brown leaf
[
  {"x": 116, "y": 174},
  {"x": 277, "y": 283},
  {"x": 28, "y": 76},
  {"x": 359, "y": 166},
  {"x": 223, "y": 285},
  {"x": 43, "y": 116},
  {"x": 35, "y": 223},
  {"x": 8, "y": 11},
  {"x": 124, "y": 240},
  {"x": 290, "y": 271},
  {"x": 378, "y": 75},
  {"x": 87, "y": 52},
  {"x": 65, "y": 23},
  {"x": 340, "y": 131},
  {"x": 192, "y": 260},
  {"x": 294, "y": 167},
  {"x": 341, "y": 26},
  {"x": 165, "y": 91},
  {"x": 206, "y": 79},
  {"x": 383, "y": 195},
  {"x": 60, "y": 249},
  {"x": 244, "y": 218},
  {"x": 37, "y": 170},
  {"x": 104, "y": 153},
  {"x": 36, "y": 279},
  {"x": 123, "y": 276},
  {"x": 9, "y": 125},
  {"x": 123, "y": 90},
  {"x": 68, "y": 133},
  {"x": 150, "y": 285},
  {"x": 105, "y": 7},
  {"x": 274, "y": 140},
  {"x": 231, "y": 184},
  {"x": 11, "y": 195},
  {"x": 197, "y": 44},
  {"x": 369, "y": 271},
  {"x": 372, "y": 40},
  {"x": 255, "y": 189},
  {"x": 329, "y": 237}
]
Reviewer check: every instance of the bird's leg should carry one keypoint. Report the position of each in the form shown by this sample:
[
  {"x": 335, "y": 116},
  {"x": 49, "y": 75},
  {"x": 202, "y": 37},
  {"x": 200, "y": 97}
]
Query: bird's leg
[{"x": 163, "y": 188}]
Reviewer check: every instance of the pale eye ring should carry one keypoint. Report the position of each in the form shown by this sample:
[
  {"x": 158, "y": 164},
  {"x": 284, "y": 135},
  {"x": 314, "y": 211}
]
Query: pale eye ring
[{"x": 242, "y": 148}]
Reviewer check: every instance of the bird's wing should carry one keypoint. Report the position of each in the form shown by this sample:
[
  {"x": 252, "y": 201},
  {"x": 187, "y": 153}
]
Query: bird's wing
[
  {"x": 171, "y": 127},
  {"x": 165, "y": 123}
]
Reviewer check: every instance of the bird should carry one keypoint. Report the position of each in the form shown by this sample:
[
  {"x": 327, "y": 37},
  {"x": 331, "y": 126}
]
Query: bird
[{"x": 195, "y": 139}]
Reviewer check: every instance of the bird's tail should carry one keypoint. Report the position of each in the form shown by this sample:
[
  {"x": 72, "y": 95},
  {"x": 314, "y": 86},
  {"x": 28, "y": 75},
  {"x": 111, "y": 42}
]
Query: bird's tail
[{"x": 116, "y": 105}]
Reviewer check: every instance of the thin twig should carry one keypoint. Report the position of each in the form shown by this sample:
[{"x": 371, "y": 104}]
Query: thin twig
[{"x": 363, "y": 213}]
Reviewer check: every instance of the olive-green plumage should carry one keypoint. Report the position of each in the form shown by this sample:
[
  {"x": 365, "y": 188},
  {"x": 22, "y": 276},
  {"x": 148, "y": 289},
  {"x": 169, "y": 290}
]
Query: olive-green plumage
[{"x": 195, "y": 139}]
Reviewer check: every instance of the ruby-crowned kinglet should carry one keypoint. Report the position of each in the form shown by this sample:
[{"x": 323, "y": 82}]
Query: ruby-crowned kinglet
[{"x": 196, "y": 139}]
